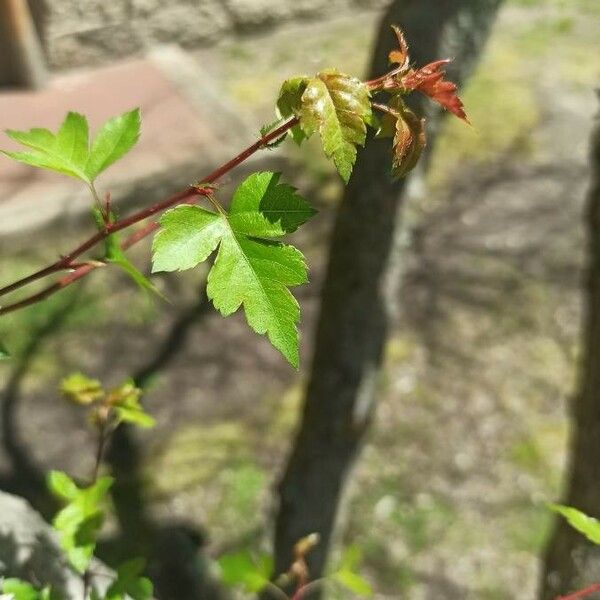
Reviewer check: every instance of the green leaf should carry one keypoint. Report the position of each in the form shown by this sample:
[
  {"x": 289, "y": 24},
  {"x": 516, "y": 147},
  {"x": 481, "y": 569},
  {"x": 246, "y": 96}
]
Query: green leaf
[
  {"x": 588, "y": 526},
  {"x": 188, "y": 236},
  {"x": 61, "y": 485},
  {"x": 241, "y": 569},
  {"x": 125, "y": 400},
  {"x": 129, "y": 583},
  {"x": 289, "y": 103},
  {"x": 353, "y": 582},
  {"x": 48, "y": 594},
  {"x": 116, "y": 137},
  {"x": 114, "y": 255},
  {"x": 81, "y": 389},
  {"x": 135, "y": 274},
  {"x": 250, "y": 270},
  {"x": 261, "y": 206},
  {"x": 79, "y": 522},
  {"x": 19, "y": 590},
  {"x": 338, "y": 107},
  {"x": 66, "y": 152},
  {"x": 351, "y": 558}
]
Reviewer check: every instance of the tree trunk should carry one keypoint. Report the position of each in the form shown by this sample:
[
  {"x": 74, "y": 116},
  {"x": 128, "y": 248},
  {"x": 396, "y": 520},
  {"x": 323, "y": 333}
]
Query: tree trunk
[
  {"x": 22, "y": 60},
  {"x": 571, "y": 561},
  {"x": 358, "y": 299}
]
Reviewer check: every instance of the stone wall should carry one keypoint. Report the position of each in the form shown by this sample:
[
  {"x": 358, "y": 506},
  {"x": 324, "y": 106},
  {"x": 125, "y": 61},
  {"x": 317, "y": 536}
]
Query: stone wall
[{"x": 86, "y": 32}]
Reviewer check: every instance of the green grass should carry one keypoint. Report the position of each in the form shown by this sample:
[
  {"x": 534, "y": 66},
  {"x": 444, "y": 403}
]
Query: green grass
[
  {"x": 527, "y": 528},
  {"x": 502, "y": 108}
]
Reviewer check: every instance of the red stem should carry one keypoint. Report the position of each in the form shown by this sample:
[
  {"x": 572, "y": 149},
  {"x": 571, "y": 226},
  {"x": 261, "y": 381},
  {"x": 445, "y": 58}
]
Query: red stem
[
  {"x": 185, "y": 196},
  {"x": 581, "y": 593}
]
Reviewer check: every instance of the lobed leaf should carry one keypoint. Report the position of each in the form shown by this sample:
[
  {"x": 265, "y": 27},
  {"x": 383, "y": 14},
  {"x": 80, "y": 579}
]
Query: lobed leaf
[
  {"x": 68, "y": 151},
  {"x": 116, "y": 137},
  {"x": 256, "y": 273},
  {"x": 338, "y": 107},
  {"x": 263, "y": 206},
  {"x": 81, "y": 389},
  {"x": 188, "y": 236},
  {"x": 251, "y": 270},
  {"x": 430, "y": 81}
]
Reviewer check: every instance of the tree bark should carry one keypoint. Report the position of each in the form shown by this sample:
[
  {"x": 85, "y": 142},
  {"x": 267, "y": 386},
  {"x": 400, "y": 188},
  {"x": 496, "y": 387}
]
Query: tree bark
[
  {"x": 571, "y": 562},
  {"x": 22, "y": 60},
  {"x": 360, "y": 291}
]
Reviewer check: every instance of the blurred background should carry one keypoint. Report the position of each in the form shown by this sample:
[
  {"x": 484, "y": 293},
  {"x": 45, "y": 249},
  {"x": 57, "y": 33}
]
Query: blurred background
[{"x": 438, "y": 395}]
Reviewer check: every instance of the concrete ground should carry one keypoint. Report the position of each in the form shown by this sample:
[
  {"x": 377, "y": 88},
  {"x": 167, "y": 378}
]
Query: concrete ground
[{"x": 187, "y": 129}]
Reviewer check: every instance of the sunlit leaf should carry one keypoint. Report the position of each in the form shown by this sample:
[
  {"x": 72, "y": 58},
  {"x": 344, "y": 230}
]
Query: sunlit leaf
[
  {"x": 353, "y": 582},
  {"x": 81, "y": 389},
  {"x": 116, "y": 137},
  {"x": 338, "y": 107},
  {"x": 114, "y": 255},
  {"x": 588, "y": 526},
  {"x": 430, "y": 81},
  {"x": 125, "y": 401},
  {"x": 66, "y": 152},
  {"x": 78, "y": 523},
  {"x": 242, "y": 569},
  {"x": 399, "y": 55},
  {"x": 251, "y": 270},
  {"x": 264, "y": 206},
  {"x": 61, "y": 485},
  {"x": 18, "y": 589}
]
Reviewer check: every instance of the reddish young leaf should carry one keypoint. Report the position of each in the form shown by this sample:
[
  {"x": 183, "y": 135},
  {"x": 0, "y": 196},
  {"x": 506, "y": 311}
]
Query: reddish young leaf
[
  {"x": 400, "y": 56},
  {"x": 408, "y": 133},
  {"x": 430, "y": 81},
  {"x": 409, "y": 142}
]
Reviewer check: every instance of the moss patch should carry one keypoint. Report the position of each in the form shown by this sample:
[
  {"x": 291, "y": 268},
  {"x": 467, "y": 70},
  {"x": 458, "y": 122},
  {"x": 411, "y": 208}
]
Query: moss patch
[{"x": 501, "y": 106}]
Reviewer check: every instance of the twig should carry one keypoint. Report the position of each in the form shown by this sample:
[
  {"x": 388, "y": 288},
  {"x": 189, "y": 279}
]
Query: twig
[
  {"x": 581, "y": 593},
  {"x": 103, "y": 434}
]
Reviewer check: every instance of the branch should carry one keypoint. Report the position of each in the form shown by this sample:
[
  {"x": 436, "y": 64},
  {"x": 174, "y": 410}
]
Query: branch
[
  {"x": 581, "y": 593},
  {"x": 188, "y": 195}
]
